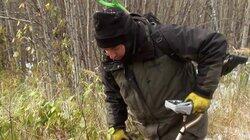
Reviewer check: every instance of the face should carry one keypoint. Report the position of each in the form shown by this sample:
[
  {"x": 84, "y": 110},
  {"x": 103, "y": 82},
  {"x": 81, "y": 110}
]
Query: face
[{"x": 115, "y": 53}]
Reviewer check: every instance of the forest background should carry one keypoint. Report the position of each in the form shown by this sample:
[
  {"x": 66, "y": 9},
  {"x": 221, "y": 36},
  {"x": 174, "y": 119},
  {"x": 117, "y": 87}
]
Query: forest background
[{"x": 49, "y": 80}]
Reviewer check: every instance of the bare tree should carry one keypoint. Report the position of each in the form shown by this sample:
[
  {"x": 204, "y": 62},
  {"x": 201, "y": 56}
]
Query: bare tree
[
  {"x": 10, "y": 49},
  {"x": 49, "y": 50},
  {"x": 214, "y": 14},
  {"x": 245, "y": 33},
  {"x": 88, "y": 34}
]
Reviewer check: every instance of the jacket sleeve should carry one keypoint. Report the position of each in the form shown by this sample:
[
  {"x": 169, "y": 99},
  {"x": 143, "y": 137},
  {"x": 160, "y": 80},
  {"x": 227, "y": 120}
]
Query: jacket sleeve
[
  {"x": 115, "y": 105},
  {"x": 206, "y": 48}
]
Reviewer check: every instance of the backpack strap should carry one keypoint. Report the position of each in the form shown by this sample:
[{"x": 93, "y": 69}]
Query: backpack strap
[
  {"x": 155, "y": 36},
  {"x": 145, "y": 21},
  {"x": 160, "y": 42}
]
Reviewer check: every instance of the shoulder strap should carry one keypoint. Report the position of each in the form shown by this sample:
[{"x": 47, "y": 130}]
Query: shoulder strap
[
  {"x": 155, "y": 36},
  {"x": 159, "y": 41}
]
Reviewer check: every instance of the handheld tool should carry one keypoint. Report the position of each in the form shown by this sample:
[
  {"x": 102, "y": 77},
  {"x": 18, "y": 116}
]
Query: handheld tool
[
  {"x": 185, "y": 108},
  {"x": 178, "y": 106}
]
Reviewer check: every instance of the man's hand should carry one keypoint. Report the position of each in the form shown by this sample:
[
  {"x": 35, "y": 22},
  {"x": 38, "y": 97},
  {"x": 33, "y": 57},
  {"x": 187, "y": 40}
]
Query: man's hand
[
  {"x": 118, "y": 134},
  {"x": 200, "y": 104}
]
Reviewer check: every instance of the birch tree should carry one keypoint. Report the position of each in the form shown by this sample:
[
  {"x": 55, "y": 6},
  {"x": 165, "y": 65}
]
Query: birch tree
[
  {"x": 214, "y": 15},
  {"x": 246, "y": 25},
  {"x": 71, "y": 18},
  {"x": 88, "y": 33},
  {"x": 10, "y": 50}
]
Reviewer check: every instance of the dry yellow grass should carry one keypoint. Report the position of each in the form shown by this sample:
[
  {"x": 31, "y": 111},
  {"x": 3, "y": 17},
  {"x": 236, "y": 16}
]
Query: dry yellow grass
[{"x": 229, "y": 113}]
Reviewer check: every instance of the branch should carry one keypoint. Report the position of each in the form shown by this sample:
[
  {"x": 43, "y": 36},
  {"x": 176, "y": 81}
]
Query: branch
[{"x": 12, "y": 18}]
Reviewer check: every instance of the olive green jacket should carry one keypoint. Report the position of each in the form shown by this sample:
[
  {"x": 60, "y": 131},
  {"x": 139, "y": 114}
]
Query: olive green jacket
[{"x": 161, "y": 78}]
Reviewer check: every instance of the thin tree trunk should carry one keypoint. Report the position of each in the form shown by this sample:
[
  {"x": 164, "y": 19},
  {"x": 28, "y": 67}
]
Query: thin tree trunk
[
  {"x": 88, "y": 35},
  {"x": 207, "y": 14},
  {"x": 77, "y": 64},
  {"x": 215, "y": 15},
  {"x": 246, "y": 27},
  {"x": 180, "y": 11},
  {"x": 187, "y": 11},
  {"x": 144, "y": 3},
  {"x": 10, "y": 49},
  {"x": 80, "y": 11},
  {"x": 49, "y": 51},
  {"x": 228, "y": 15},
  {"x": 72, "y": 30},
  {"x": 157, "y": 7},
  {"x": 233, "y": 24}
]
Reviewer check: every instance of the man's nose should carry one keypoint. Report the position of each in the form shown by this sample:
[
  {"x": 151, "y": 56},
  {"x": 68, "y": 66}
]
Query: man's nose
[{"x": 111, "y": 55}]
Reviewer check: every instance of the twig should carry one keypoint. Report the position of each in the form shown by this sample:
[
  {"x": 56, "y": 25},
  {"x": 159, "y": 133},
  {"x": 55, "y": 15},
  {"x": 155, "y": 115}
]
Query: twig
[{"x": 17, "y": 19}]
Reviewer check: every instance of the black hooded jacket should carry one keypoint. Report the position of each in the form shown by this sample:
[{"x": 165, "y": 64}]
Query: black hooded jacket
[{"x": 206, "y": 48}]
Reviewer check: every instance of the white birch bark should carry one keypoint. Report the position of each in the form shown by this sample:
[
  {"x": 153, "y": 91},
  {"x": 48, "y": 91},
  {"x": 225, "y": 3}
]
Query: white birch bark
[
  {"x": 10, "y": 50},
  {"x": 144, "y": 3},
  {"x": 76, "y": 47},
  {"x": 187, "y": 11},
  {"x": 72, "y": 27},
  {"x": 245, "y": 36},
  {"x": 88, "y": 35},
  {"x": 214, "y": 15}
]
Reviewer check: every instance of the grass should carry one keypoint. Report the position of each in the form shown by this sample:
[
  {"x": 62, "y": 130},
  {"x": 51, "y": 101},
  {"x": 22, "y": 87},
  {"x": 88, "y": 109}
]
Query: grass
[
  {"x": 27, "y": 113},
  {"x": 229, "y": 116}
]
